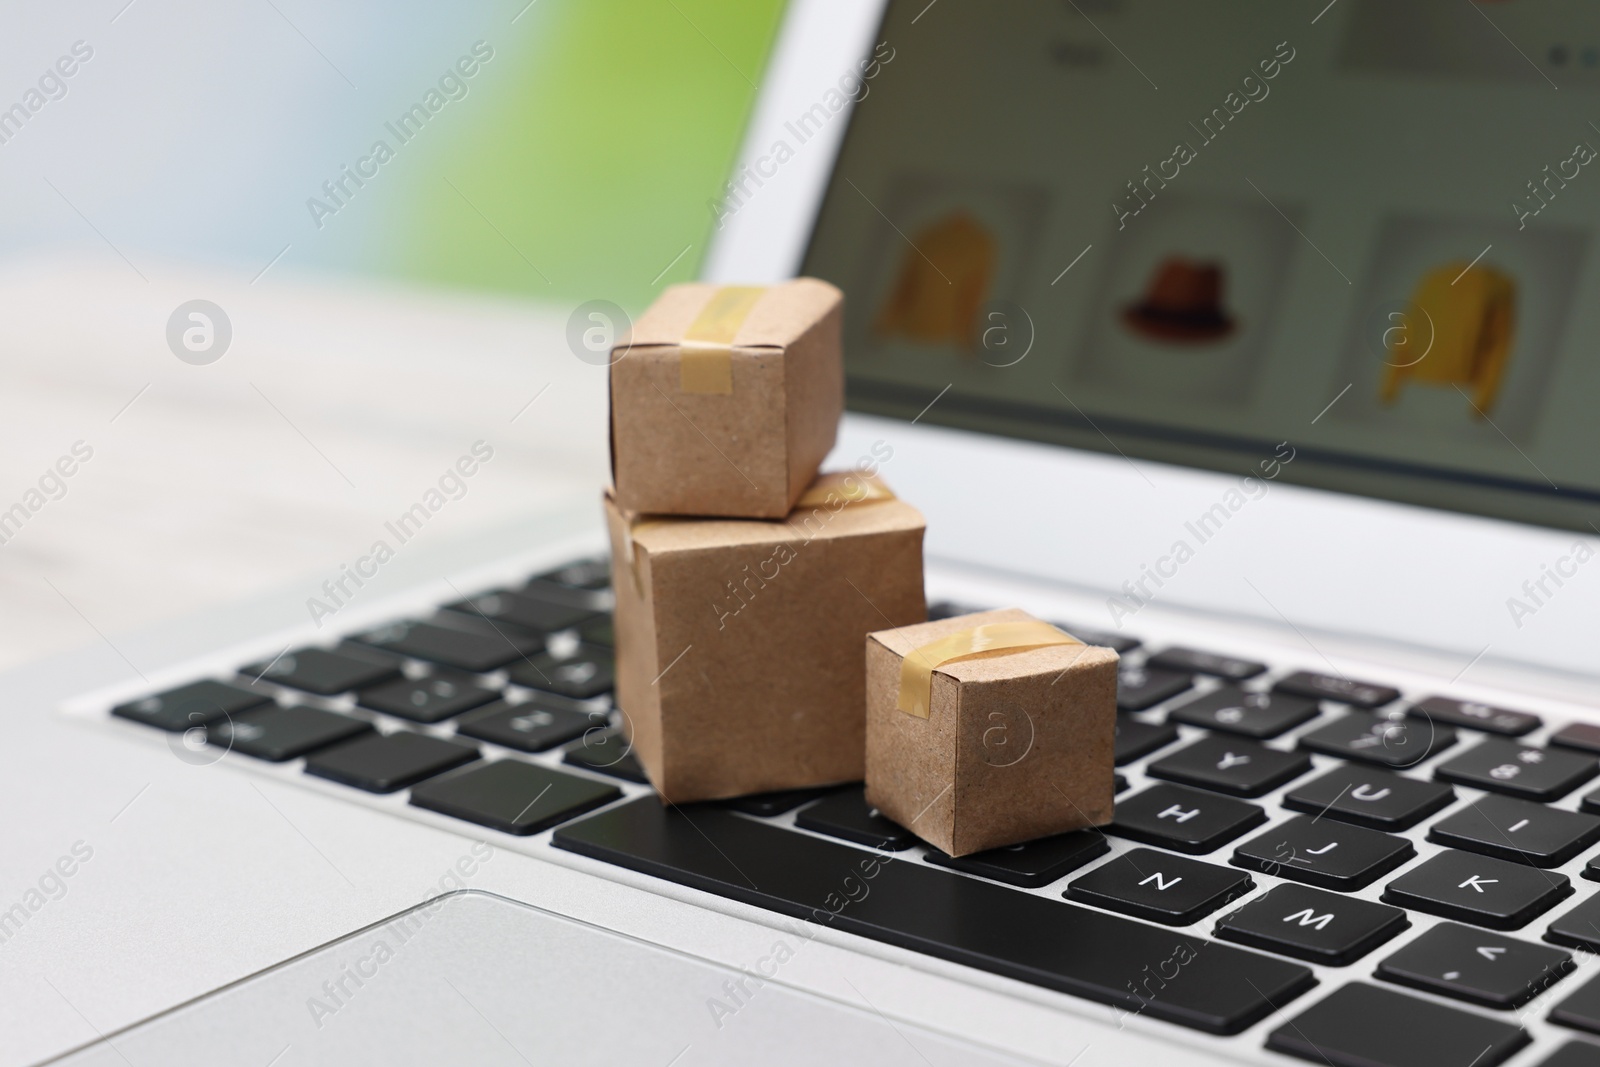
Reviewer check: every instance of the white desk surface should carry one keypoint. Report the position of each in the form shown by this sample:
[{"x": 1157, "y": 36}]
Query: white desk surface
[{"x": 209, "y": 485}]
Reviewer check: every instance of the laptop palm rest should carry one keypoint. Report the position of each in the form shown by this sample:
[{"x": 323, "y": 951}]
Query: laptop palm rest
[{"x": 476, "y": 978}]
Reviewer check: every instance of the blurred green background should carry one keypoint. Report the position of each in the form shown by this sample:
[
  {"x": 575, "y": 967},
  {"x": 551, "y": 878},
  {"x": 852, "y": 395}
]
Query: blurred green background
[{"x": 597, "y": 163}]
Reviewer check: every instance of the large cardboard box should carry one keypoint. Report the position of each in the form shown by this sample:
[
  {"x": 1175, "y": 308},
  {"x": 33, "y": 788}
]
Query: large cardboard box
[
  {"x": 739, "y": 666},
  {"x": 993, "y": 747},
  {"x": 726, "y": 399}
]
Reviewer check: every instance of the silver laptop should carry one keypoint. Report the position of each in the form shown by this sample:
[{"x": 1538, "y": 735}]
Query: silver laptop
[{"x": 1247, "y": 338}]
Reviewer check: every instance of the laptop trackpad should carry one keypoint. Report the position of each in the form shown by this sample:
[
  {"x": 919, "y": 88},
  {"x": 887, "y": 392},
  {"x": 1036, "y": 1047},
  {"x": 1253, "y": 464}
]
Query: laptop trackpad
[{"x": 480, "y": 979}]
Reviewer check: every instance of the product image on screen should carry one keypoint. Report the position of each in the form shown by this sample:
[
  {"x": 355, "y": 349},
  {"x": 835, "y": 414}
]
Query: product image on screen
[{"x": 1191, "y": 233}]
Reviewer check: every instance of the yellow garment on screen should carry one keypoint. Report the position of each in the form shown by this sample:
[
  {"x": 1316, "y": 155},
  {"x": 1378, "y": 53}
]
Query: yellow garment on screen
[
  {"x": 943, "y": 282},
  {"x": 1462, "y": 318}
]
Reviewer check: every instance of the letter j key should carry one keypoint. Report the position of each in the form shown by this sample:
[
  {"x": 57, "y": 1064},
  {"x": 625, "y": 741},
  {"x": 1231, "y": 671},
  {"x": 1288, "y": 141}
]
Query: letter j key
[{"x": 1323, "y": 853}]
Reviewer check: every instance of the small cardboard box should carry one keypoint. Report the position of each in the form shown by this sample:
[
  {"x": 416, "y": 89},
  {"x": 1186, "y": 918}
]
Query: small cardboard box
[
  {"x": 1017, "y": 743},
  {"x": 738, "y": 656},
  {"x": 726, "y": 399}
]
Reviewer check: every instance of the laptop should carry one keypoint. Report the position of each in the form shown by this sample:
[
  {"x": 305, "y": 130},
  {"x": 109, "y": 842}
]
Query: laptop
[{"x": 1243, "y": 338}]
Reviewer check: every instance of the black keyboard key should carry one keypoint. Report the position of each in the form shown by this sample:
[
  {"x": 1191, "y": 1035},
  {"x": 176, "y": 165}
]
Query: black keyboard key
[
  {"x": 1045, "y": 942},
  {"x": 529, "y": 613},
  {"x": 847, "y": 814},
  {"x": 1159, "y": 886},
  {"x": 584, "y": 672},
  {"x": 1578, "y": 735},
  {"x": 1033, "y": 864},
  {"x": 1590, "y": 802},
  {"x": 1324, "y": 853},
  {"x": 1478, "y": 889},
  {"x": 1362, "y": 1025},
  {"x": 599, "y": 631},
  {"x": 606, "y": 752},
  {"x": 1120, "y": 783},
  {"x": 1195, "y": 661},
  {"x": 316, "y": 670},
  {"x": 278, "y": 734},
  {"x": 1580, "y": 927},
  {"x": 1517, "y": 830},
  {"x": 1121, "y": 644},
  {"x": 1231, "y": 765},
  {"x": 1376, "y": 739},
  {"x": 1311, "y": 924},
  {"x": 1138, "y": 739},
  {"x": 1476, "y": 966},
  {"x": 1520, "y": 770},
  {"x": 1139, "y": 688},
  {"x": 580, "y": 574},
  {"x": 531, "y": 727},
  {"x": 1476, "y": 716},
  {"x": 1328, "y": 687},
  {"x": 1581, "y": 1010},
  {"x": 593, "y": 600},
  {"x": 766, "y": 805},
  {"x": 513, "y": 797},
  {"x": 1369, "y": 797},
  {"x": 432, "y": 699},
  {"x": 1573, "y": 1054},
  {"x": 190, "y": 706},
  {"x": 466, "y": 650},
  {"x": 384, "y": 763},
  {"x": 1234, "y": 711},
  {"x": 1184, "y": 820}
]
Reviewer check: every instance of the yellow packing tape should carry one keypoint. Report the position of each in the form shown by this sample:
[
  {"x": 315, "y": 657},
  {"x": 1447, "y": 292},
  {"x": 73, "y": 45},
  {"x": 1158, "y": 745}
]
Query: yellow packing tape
[
  {"x": 916, "y": 670},
  {"x": 854, "y": 486},
  {"x": 706, "y": 361}
]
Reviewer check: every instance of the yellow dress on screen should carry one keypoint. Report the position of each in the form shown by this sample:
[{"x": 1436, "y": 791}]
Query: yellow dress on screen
[
  {"x": 943, "y": 281},
  {"x": 1462, "y": 318}
]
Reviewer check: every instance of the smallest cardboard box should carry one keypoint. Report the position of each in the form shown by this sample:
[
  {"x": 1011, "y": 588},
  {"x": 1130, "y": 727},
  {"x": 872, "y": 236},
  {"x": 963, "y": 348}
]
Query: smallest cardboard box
[
  {"x": 726, "y": 399},
  {"x": 989, "y": 729}
]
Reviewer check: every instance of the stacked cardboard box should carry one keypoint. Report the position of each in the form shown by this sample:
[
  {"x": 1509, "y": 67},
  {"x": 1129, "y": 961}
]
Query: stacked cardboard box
[
  {"x": 745, "y": 585},
  {"x": 726, "y": 399},
  {"x": 769, "y": 619}
]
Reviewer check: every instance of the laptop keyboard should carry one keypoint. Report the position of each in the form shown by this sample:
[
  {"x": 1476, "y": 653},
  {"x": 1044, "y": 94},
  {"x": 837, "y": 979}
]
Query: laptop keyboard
[{"x": 1282, "y": 808}]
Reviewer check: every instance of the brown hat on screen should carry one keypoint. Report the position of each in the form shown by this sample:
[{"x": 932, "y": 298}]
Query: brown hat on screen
[{"x": 1182, "y": 304}]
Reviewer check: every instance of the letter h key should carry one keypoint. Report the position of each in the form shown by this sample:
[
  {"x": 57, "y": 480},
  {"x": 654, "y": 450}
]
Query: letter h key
[{"x": 1182, "y": 819}]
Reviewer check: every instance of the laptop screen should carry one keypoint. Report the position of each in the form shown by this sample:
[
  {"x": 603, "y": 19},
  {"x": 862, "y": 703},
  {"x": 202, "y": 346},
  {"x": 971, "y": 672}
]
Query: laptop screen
[{"x": 1354, "y": 233}]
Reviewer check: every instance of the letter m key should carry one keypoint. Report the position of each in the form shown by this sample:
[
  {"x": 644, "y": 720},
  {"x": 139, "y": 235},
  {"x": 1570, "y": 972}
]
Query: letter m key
[{"x": 1307, "y": 917}]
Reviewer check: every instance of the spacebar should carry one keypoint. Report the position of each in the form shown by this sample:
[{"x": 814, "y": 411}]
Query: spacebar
[{"x": 1136, "y": 968}]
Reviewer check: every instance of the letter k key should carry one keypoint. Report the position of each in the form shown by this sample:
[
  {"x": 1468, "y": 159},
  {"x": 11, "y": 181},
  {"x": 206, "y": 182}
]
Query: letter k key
[{"x": 1480, "y": 890}]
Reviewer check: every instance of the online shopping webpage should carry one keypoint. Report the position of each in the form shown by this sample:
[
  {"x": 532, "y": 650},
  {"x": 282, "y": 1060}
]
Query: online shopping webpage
[{"x": 1191, "y": 232}]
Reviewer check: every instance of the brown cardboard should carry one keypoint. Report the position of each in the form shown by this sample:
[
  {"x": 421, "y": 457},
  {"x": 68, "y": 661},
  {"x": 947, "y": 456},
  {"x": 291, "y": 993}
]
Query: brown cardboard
[
  {"x": 1017, "y": 745},
  {"x": 748, "y": 454},
  {"x": 739, "y": 666}
]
